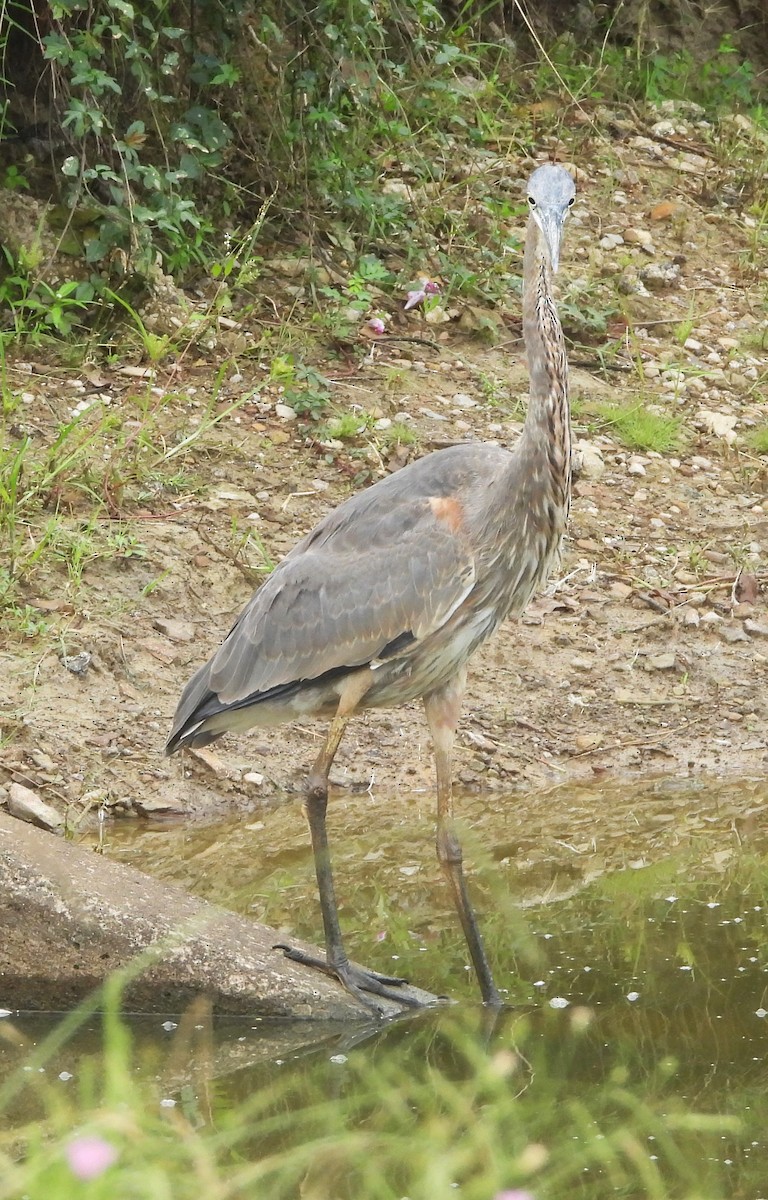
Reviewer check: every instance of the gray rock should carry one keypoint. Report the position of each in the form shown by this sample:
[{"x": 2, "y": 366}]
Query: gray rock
[
  {"x": 26, "y": 805},
  {"x": 69, "y": 917}
]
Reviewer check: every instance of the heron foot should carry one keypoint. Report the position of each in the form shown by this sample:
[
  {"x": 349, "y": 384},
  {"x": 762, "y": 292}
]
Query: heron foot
[{"x": 360, "y": 982}]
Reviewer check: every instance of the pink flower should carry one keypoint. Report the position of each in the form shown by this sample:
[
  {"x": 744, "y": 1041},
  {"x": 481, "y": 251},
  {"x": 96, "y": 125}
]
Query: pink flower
[
  {"x": 377, "y": 325},
  {"x": 89, "y": 1157},
  {"x": 428, "y": 288},
  {"x": 514, "y": 1194}
]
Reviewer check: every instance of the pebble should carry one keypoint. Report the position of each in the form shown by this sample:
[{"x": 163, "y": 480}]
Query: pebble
[
  {"x": 696, "y": 384},
  {"x": 636, "y": 468},
  {"x": 611, "y": 241},
  {"x": 285, "y": 412},
  {"x": 699, "y": 463},
  {"x": 662, "y": 662},
  {"x": 253, "y": 777},
  {"x": 42, "y": 760},
  {"x": 78, "y": 664},
  {"x": 640, "y": 237},
  {"x": 733, "y": 633},
  {"x": 462, "y": 400},
  {"x": 589, "y": 461},
  {"x": 693, "y": 345},
  {"x": 744, "y": 609},
  {"x": 697, "y": 599},
  {"x": 664, "y": 129},
  {"x": 28, "y": 806},
  {"x": 756, "y": 628},
  {"x": 690, "y": 617},
  {"x": 720, "y": 424},
  {"x": 581, "y": 664},
  {"x": 176, "y": 631},
  {"x": 658, "y": 276},
  {"x": 588, "y": 741}
]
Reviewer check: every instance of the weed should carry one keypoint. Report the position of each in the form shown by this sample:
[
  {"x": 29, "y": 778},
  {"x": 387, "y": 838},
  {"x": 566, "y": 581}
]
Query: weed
[
  {"x": 38, "y": 309},
  {"x": 585, "y": 313},
  {"x": 758, "y": 439},
  {"x": 698, "y": 561},
  {"x": 345, "y": 426},
  {"x": 722, "y": 83},
  {"x": 399, "y": 433},
  {"x": 156, "y": 347},
  {"x": 684, "y": 330},
  {"x": 304, "y": 389},
  {"x": 24, "y": 620},
  {"x": 638, "y": 426}
]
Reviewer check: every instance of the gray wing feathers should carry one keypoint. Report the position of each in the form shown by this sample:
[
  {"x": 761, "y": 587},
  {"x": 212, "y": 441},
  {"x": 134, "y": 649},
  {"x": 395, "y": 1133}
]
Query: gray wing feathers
[{"x": 341, "y": 596}]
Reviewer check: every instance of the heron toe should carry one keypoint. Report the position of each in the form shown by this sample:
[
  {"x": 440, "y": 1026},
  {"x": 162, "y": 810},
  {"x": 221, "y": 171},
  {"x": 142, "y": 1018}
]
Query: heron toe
[{"x": 357, "y": 980}]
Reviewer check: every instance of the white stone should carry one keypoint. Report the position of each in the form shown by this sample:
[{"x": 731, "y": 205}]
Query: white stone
[
  {"x": 589, "y": 460},
  {"x": 720, "y": 424},
  {"x": 285, "y": 412}
]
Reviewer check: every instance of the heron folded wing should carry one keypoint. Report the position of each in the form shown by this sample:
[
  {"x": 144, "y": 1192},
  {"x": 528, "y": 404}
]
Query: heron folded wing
[{"x": 329, "y": 606}]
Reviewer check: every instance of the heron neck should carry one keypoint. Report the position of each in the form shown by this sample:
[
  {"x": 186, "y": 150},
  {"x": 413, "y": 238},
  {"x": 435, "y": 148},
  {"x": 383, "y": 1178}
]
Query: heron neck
[{"x": 547, "y": 430}]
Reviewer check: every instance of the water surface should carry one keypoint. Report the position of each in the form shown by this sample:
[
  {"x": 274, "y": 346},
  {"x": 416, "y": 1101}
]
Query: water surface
[{"x": 626, "y": 926}]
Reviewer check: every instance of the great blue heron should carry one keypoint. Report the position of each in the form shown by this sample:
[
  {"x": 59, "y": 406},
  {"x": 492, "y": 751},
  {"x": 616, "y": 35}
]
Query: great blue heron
[{"x": 388, "y": 597}]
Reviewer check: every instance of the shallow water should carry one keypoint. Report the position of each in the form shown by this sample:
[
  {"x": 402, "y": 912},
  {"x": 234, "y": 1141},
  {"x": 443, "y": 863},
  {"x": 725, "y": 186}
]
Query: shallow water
[{"x": 627, "y": 928}]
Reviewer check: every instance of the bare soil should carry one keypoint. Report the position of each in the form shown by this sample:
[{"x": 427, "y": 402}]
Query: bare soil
[{"x": 648, "y": 655}]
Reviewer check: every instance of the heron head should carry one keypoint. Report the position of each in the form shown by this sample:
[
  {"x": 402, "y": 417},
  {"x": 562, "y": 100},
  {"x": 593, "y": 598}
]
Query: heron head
[{"x": 551, "y": 192}]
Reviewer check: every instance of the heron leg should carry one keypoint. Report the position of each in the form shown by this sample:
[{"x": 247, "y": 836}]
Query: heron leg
[
  {"x": 443, "y": 708},
  {"x": 357, "y": 980}
]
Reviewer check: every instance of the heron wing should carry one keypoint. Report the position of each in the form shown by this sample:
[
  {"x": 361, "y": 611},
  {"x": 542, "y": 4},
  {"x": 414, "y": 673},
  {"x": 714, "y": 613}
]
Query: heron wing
[{"x": 368, "y": 582}]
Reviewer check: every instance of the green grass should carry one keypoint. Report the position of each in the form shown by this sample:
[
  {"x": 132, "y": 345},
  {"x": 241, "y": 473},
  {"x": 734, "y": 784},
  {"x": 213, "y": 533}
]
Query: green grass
[
  {"x": 758, "y": 439},
  {"x": 399, "y": 433},
  {"x": 636, "y": 426}
]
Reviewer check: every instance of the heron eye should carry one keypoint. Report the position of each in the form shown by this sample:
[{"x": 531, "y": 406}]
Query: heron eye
[
  {"x": 571, "y": 201},
  {"x": 532, "y": 201}
]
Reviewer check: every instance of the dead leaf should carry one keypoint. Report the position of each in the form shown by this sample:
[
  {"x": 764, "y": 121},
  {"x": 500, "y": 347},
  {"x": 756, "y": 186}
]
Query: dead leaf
[
  {"x": 663, "y": 211},
  {"x": 747, "y": 588},
  {"x": 52, "y": 605}
]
